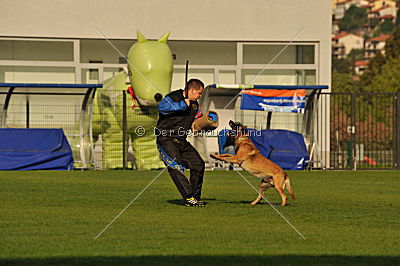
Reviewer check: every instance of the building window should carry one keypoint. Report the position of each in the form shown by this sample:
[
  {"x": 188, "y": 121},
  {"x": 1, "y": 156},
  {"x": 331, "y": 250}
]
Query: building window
[
  {"x": 265, "y": 53},
  {"x": 36, "y": 50}
]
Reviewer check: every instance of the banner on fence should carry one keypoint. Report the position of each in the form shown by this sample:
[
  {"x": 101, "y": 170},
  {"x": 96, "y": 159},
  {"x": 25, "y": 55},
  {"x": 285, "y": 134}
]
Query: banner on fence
[{"x": 288, "y": 101}]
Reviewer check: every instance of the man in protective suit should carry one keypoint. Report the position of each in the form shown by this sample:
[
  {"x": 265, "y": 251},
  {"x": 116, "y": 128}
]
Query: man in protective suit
[{"x": 177, "y": 112}]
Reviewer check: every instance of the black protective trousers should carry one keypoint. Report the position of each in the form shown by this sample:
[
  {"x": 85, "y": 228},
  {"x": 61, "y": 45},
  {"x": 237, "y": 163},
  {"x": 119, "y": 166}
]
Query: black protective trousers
[{"x": 180, "y": 154}]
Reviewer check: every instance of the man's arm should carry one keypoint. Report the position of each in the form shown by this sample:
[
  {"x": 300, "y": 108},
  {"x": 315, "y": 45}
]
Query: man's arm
[
  {"x": 168, "y": 106},
  {"x": 198, "y": 115}
]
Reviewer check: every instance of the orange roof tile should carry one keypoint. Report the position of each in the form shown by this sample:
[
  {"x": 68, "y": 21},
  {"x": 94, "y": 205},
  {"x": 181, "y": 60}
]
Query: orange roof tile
[
  {"x": 343, "y": 2},
  {"x": 381, "y": 38},
  {"x": 361, "y": 63},
  {"x": 340, "y": 35},
  {"x": 387, "y": 17}
]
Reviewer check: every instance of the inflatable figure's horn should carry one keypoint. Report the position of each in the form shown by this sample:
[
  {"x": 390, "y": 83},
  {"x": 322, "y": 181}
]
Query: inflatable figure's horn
[
  {"x": 164, "y": 38},
  {"x": 141, "y": 38}
]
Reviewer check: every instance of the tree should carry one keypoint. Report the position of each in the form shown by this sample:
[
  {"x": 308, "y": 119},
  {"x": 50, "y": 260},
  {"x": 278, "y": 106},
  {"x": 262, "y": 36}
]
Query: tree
[
  {"x": 355, "y": 55},
  {"x": 392, "y": 46},
  {"x": 343, "y": 82},
  {"x": 397, "y": 17},
  {"x": 341, "y": 105},
  {"x": 373, "y": 22},
  {"x": 386, "y": 27},
  {"x": 341, "y": 65},
  {"x": 374, "y": 69},
  {"x": 389, "y": 78},
  {"x": 353, "y": 19}
]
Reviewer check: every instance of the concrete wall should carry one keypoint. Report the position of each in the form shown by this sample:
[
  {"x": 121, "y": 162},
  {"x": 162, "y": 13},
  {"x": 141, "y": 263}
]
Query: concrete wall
[
  {"x": 189, "y": 20},
  {"x": 230, "y": 20}
]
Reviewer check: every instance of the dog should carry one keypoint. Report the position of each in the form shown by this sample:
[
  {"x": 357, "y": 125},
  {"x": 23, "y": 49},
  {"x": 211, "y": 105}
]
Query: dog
[{"x": 250, "y": 159}]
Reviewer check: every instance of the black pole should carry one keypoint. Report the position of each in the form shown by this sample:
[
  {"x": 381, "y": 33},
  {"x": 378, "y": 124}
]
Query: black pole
[
  {"x": 352, "y": 131},
  {"x": 186, "y": 79},
  {"x": 269, "y": 117},
  {"x": 124, "y": 126},
  {"x": 27, "y": 113},
  {"x": 397, "y": 131}
]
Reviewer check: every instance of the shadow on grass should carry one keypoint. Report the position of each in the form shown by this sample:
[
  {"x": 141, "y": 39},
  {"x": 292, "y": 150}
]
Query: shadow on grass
[
  {"x": 210, "y": 260},
  {"x": 180, "y": 201},
  {"x": 260, "y": 203}
]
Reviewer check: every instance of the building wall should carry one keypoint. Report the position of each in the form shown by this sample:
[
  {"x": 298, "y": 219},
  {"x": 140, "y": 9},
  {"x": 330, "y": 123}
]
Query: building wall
[
  {"x": 372, "y": 48},
  {"x": 381, "y": 3},
  {"x": 352, "y": 41},
  {"x": 392, "y": 11},
  {"x": 341, "y": 9},
  {"x": 193, "y": 20},
  {"x": 262, "y": 20}
]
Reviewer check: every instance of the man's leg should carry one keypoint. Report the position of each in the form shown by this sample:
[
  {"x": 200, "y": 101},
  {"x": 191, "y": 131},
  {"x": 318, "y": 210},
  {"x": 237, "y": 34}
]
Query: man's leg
[
  {"x": 196, "y": 165},
  {"x": 170, "y": 150}
]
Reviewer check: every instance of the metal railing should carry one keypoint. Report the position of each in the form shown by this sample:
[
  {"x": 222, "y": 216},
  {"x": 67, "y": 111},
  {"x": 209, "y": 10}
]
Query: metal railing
[
  {"x": 364, "y": 130},
  {"x": 45, "y": 105}
]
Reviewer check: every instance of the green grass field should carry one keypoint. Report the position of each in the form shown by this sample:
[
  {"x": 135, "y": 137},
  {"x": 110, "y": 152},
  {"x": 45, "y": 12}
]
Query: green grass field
[{"x": 52, "y": 217}]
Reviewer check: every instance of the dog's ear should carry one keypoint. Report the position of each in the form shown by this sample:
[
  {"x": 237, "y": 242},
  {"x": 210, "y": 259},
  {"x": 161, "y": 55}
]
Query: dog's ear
[
  {"x": 239, "y": 126},
  {"x": 232, "y": 124}
]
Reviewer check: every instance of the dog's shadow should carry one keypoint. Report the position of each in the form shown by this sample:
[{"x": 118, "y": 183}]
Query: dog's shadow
[
  {"x": 258, "y": 204},
  {"x": 180, "y": 201}
]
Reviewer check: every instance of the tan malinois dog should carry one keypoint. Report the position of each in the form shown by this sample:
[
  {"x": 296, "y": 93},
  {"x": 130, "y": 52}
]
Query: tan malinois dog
[{"x": 250, "y": 159}]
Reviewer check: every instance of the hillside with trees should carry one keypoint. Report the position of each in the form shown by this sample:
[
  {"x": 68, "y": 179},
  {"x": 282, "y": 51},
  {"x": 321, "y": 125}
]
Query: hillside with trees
[{"x": 383, "y": 70}]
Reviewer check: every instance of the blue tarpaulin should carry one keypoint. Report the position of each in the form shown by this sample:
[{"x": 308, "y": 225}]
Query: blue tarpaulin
[
  {"x": 285, "y": 148},
  {"x": 222, "y": 138},
  {"x": 34, "y": 149}
]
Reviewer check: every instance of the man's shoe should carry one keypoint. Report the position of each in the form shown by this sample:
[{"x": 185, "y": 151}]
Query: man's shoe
[
  {"x": 200, "y": 203},
  {"x": 192, "y": 202}
]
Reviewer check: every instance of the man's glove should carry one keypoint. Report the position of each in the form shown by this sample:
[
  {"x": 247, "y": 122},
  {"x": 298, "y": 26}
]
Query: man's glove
[{"x": 209, "y": 121}]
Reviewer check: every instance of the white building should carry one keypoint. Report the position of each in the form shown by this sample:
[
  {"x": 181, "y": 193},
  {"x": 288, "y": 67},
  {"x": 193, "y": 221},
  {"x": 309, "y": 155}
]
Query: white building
[
  {"x": 360, "y": 66},
  {"x": 375, "y": 45},
  {"x": 226, "y": 41},
  {"x": 375, "y": 4},
  {"x": 344, "y": 42},
  {"x": 340, "y": 7},
  {"x": 383, "y": 11}
]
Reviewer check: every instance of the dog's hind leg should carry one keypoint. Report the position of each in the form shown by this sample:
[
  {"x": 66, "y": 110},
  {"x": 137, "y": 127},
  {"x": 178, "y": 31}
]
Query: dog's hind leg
[
  {"x": 264, "y": 185},
  {"x": 280, "y": 186},
  {"x": 289, "y": 187}
]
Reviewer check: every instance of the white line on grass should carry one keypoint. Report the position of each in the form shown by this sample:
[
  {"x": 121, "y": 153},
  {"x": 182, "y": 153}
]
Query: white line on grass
[
  {"x": 273, "y": 59},
  {"x": 284, "y": 218},
  {"x": 105, "y": 228},
  {"x": 151, "y": 83}
]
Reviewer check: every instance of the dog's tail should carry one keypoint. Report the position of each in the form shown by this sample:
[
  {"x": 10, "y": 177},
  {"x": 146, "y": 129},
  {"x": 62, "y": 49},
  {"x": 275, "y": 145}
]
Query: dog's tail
[{"x": 289, "y": 186}]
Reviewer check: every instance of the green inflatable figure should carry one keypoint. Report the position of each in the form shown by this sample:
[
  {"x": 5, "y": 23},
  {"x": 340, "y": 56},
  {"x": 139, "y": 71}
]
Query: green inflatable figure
[{"x": 147, "y": 79}]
